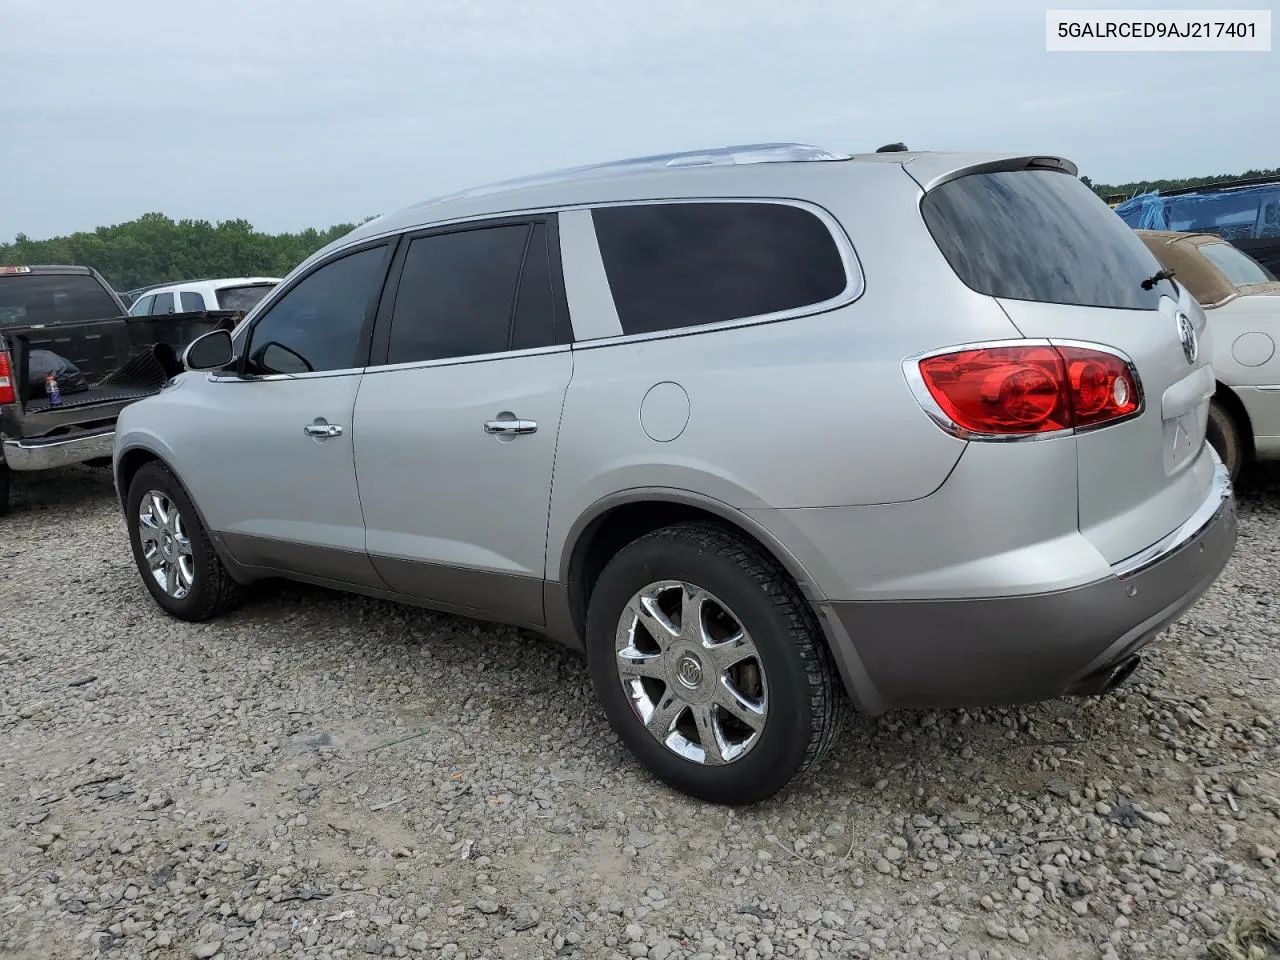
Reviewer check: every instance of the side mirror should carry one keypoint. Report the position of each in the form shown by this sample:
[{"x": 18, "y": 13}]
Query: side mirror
[{"x": 212, "y": 351}]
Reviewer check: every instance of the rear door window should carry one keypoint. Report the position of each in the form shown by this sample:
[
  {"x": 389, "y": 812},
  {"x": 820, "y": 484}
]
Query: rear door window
[
  {"x": 1042, "y": 236},
  {"x": 457, "y": 295},
  {"x": 675, "y": 265},
  {"x": 192, "y": 302},
  {"x": 163, "y": 304}
]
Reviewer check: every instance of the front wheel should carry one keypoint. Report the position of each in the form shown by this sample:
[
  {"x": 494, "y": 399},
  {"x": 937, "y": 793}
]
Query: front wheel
[
  {"x": 172, "y": 551},
  {"x": 710, "y": 665},
  {"x": 1223, "y": 434}
]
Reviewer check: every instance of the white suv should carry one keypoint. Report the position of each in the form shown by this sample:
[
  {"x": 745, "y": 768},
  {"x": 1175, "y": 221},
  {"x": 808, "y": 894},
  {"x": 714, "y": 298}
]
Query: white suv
[{"x": 192, "y": 296}]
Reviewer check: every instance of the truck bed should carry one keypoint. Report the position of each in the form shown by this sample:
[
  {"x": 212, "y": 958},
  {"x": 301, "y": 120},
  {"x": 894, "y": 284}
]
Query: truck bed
[{"x": 123, "y": 359}]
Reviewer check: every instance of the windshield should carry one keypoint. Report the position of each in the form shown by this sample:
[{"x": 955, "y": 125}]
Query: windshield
[
  {"x": 1240, "y": 268},
  {"x": 242, "y": 298},
  {"x": 30, "y": 299}
]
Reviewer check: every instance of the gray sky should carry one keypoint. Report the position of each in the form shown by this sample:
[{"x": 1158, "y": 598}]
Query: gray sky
[{"x": 292, "y": 114}]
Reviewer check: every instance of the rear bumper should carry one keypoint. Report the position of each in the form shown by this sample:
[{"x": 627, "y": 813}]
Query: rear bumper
[
  {"x": 1023, "y": 649},
  {"x": 45, "y": 453}
]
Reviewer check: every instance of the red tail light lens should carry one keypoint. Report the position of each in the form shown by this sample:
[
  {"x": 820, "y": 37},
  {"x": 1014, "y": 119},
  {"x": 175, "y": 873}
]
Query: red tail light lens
[
  {"x": 8, "y": 389},
  {"x": 1022, "y": 390}
]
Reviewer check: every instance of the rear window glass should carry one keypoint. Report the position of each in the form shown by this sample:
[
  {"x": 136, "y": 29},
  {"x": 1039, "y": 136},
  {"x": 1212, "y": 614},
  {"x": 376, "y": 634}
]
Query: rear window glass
[
  {"x": 242, "y": 298},
  {"x": 1042, "y": 236},
  {"x": 1239, "y": 267},
  {"x": 673, "y": 265},
  {"x": 34, "y": 298}
]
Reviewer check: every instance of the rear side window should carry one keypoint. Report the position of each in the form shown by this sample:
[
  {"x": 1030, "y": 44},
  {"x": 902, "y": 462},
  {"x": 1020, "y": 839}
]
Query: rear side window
[
  {"x": 243, "y": 298},
  {"x": 192, "y": 302},
  {"x": 1239, "y": 267},
  {"x": 458, "y": 295},
  {"x": 674, "y": 265},
  {"x": 1042, "y": 236},
  {"x": 35, "y": 298}
]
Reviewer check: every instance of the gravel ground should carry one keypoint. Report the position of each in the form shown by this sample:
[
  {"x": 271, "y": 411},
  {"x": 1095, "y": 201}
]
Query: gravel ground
[{"x": 324, "y": 776}]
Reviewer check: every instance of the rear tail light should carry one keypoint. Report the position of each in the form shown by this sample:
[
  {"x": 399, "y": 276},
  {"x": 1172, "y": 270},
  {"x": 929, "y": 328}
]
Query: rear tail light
[
  {"x": 8, "y": 389},
  {"x": 1026, "y": 389}
]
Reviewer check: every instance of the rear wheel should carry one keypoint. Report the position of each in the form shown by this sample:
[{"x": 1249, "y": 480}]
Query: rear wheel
[
  {"x": 710, "y": 665},
  {"x": 172, "y": 551},
  {"x": 1223, "y": 433}
]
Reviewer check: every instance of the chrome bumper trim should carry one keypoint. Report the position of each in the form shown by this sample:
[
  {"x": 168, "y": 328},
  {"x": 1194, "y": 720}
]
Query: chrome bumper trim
[
  {"x": 1219, "y": 499},
  {"x": 46, "y": 453}
]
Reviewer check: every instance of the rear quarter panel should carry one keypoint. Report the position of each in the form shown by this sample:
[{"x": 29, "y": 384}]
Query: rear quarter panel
[{"x": 812, "y": 411}]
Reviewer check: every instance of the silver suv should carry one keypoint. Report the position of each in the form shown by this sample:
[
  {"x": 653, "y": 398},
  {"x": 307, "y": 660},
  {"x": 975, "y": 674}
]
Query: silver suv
[{"x": 762, "y": 431}]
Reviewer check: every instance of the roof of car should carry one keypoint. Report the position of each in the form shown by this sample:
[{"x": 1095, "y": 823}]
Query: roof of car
[
  {"x": 742, "y": 170},
  {"x": 220, "y": 281}
]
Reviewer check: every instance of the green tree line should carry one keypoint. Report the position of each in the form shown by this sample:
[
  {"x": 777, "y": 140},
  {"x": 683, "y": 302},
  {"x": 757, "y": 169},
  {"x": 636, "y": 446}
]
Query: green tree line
[
  {"x": 157, "y": 249},
  {"x": 1144, "y": 186}
]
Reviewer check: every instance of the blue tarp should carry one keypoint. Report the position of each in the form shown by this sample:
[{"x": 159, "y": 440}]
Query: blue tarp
[{"x": 1238, "y": 214}]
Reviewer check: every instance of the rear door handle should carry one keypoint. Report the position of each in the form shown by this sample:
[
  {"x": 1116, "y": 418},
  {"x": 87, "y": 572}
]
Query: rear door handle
[
  {"x": 320, "y": 430},
  {"x": 510, "y": 428}
]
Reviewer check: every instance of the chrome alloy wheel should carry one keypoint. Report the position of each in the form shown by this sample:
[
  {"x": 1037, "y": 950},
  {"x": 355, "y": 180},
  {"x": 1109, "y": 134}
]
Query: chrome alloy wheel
[
  {"x": 166, "y": 545},
  {"x": 692, "y": 672}
]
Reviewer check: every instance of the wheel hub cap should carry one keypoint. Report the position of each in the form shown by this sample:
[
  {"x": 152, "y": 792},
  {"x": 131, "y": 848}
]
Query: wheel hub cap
[
  {"x": 692, "y": 673},
  {"x": 166, "y": 547},
  {"x": 689, "y": 672}
]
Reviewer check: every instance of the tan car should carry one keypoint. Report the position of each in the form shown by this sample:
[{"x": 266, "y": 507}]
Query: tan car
[{"x": 1242, "y": 300}]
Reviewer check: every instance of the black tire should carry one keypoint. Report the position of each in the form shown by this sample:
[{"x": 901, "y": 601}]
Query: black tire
[
  {"x": 1223, "y": 433},
  {"x": 4, "y": 489},
  {"x": 806, "y": 704},
  {"x": 212, "y": 591}
]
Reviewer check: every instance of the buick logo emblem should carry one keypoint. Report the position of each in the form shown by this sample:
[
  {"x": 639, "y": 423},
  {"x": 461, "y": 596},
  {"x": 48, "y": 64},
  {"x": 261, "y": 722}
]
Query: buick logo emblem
[{"x": 1187, "y": 334}]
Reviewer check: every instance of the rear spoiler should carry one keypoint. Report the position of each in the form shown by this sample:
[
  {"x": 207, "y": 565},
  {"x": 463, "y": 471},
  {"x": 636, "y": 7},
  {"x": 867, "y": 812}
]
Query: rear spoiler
[{"x": 932, "y": 170}]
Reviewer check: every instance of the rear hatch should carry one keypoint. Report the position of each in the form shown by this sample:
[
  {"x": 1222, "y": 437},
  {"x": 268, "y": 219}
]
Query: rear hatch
[{"x": 1063, "y": 266}]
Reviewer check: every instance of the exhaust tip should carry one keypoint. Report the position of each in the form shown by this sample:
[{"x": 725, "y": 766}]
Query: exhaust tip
[{"x": 1107, "y": 679}]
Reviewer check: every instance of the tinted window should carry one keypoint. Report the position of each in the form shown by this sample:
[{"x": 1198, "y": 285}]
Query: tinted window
[
  {"x": 682, "y": 264},
  {"x": 143, "y": 306},
  {"x": 457, "y": 294},
  {"x": 1043, "y": 236},
  {"x": 1239, "y": 267},
  {"x": 32, "y": 298},
  {"x": 535, "y": 322},
  {"x": 316, "y": 325},
  {"x": 163, "y": 303},
  {"x": 243, "y": 298},
  {"x": 192, "y": 302}
]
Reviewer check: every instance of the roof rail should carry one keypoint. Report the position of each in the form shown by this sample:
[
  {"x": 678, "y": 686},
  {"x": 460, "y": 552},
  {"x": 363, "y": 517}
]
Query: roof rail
[{"x": 714, "y": 156}]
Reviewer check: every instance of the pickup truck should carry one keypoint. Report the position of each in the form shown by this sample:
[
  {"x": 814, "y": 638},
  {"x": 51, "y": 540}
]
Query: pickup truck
[{"x": 68, "y": 319}]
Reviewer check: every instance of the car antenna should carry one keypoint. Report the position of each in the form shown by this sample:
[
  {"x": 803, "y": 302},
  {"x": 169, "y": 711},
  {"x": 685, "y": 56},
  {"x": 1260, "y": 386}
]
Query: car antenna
[{"x": 898, "y": 147}]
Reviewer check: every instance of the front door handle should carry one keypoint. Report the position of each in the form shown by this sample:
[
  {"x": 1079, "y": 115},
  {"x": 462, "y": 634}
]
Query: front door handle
[
  {"x": 321, "y": 429},
  {"x": 510, "y": 427}
]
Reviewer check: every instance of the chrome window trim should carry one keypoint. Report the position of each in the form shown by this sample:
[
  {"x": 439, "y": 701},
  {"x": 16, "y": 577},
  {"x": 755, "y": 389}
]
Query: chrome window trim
[
  {"x": 471, "y": 358},
  {"x": 915, "y": 382}
]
